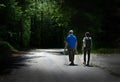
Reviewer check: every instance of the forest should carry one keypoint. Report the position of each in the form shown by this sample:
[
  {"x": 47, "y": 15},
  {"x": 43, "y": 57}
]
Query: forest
[{"x": 27, "y": 24}]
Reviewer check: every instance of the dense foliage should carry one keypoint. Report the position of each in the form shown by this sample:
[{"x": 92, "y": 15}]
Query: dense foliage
[
  {"x": 6, "y": 50},
  {"x": 45, "y": 23}
]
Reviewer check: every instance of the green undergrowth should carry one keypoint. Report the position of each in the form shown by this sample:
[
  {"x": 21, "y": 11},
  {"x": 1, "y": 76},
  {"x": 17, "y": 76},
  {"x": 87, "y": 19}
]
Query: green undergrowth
[
  {"x": 107, "y": 51},
  {"x": 6, "y": 50}
]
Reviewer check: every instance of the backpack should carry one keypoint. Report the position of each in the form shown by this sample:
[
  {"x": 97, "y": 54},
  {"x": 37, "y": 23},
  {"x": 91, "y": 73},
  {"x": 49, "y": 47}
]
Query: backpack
[{"x": 88, "y": 42}]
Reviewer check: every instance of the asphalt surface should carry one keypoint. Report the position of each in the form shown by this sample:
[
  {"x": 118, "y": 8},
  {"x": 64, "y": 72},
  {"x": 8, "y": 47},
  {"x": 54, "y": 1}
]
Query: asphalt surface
[{"x": 50, "y": 65}]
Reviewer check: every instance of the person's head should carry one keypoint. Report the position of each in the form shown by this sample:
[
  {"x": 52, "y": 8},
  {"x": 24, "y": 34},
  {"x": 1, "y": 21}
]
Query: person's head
[
  {"x": 87, "y": 34},
  {"x": 71, "y": 32}
]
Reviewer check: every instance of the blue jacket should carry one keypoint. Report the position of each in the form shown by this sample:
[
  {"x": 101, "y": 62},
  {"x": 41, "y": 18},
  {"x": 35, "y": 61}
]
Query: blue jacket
[{"x": 71, "y": 40}]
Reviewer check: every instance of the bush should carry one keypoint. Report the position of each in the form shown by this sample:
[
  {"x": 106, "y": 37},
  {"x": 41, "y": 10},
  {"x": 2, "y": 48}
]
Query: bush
[
  {"x": 6, "y": 50},
  {"x": 107, "y": 50}
]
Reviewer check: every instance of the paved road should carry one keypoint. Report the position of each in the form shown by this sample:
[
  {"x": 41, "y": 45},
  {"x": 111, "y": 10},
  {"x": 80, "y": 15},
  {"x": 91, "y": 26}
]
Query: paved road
[{"x": 49, "y": 65}]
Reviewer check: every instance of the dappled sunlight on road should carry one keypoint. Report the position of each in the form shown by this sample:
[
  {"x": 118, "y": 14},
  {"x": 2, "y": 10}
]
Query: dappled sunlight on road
[
  {"x": 49, "y": 65},
  {"x": 47, "y": 50}
]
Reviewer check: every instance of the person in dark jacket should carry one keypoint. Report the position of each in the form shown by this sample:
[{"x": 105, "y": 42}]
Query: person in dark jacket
[{"x": 87, "y": 44}]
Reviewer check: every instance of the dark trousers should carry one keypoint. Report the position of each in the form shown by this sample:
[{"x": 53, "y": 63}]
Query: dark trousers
[
  {"x": 71, "y": 52},
  {"x": 87, "y": 52}
]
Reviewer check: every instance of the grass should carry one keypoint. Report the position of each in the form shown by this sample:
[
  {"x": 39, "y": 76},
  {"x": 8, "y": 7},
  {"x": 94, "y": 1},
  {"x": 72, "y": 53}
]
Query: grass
[{"x": 107, "y": 51}]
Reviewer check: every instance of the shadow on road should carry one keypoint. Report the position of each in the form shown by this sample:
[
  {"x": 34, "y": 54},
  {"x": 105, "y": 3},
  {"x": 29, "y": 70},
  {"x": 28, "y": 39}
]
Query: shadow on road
[
  {"x": 71, "y": 65},
  {"x": 12, "y": 63},
  {"x": 8, "y": 65}
]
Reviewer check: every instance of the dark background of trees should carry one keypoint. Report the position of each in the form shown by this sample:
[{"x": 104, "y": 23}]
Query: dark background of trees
[{"x": 45, "y": 23}]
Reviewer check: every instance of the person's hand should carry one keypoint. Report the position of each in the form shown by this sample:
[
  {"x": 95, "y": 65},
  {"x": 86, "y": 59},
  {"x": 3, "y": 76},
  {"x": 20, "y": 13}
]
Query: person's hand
[
  {"x": 65, "y": 47},
  {"x": 65, "y": 51}
]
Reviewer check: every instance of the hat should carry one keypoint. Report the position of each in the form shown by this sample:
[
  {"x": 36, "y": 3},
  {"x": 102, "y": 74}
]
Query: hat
[{"x": 71, "y": 31}]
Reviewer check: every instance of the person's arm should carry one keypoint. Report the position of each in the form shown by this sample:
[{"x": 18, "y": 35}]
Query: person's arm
[
  {"x": 66, "y": 45},
  {"x": 83, "y": 44},
  {"x": 91, "y": 43},
  {"x": 76, "y": 45}
]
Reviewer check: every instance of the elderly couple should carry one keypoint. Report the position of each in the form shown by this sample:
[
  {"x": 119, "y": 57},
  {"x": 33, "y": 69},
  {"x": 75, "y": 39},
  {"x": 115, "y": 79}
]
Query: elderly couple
[{"x": 71, "y": 44}]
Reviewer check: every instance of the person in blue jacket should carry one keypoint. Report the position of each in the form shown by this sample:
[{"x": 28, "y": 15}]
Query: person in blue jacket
[{"x": 71, "y": 45}]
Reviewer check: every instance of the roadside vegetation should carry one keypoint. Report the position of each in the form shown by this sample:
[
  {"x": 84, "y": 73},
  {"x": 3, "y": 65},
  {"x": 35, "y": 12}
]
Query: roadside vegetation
[
  {"x": 6, "y": 51},
  {"x": 29, "y": 24},
  {"x": 107, "y": 51}
]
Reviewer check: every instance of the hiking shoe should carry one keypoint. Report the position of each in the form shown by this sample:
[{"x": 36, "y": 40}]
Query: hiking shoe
[
  {"x": 87, "y": 64},
  {"x": 71, "y": 64}
]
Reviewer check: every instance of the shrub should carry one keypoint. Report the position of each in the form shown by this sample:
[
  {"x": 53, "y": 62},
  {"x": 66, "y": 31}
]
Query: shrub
[{"x": 6, "y": 50}]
